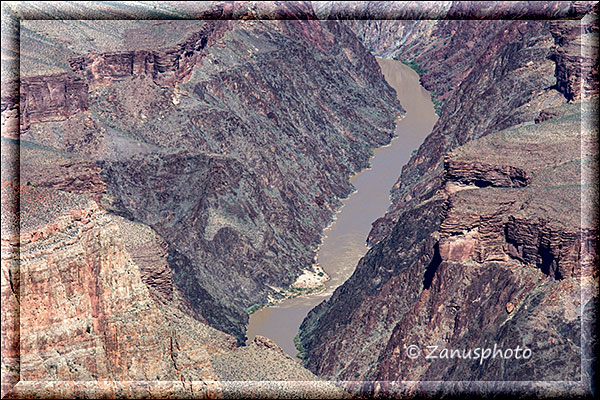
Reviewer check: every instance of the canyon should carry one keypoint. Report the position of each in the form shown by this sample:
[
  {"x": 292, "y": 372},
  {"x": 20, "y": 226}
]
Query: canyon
[
  {"x": 190, "y": 162},
  {"x": 483, "y": 242},
  {"x": 344, "y": 240},
  {"x": 164, "y": 178},
  {"x": 236, "y": 204}
]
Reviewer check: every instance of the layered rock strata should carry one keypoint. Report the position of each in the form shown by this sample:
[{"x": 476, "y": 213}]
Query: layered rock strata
[
  {"x": 491, "y": 262},
  {"x": 200, "y": 175},
  {"x": 484, "y": 241}
]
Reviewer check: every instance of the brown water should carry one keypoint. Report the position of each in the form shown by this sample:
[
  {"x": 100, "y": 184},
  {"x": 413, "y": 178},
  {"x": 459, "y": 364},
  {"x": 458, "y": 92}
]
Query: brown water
[{"x": 344, "y": 241}]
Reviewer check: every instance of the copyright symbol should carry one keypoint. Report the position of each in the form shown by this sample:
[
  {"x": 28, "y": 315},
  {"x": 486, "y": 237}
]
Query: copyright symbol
[{"x": 413, "y": 351}]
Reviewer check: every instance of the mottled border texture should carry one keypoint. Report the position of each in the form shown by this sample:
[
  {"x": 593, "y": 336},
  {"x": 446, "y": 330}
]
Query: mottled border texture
[{"x": 13, "y": 12}]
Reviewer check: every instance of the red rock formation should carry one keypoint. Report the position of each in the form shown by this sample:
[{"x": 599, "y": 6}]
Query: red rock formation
[
  {"x": 58, "y": 97},
  {"x": 482, "y": 174},
  {"x": 450, "y": 266},
  {"x": 149, "y": 251},
  {"x": 80, "y": 316},
  {"x": 107, "y": 326},
  {"x": 51, "y": 98},
  {"x": 513, "y": 55},
  {"x": 554, "y": 250},
  {"x": 576, "y": 55},
  {"x": 165, "y": 67}
]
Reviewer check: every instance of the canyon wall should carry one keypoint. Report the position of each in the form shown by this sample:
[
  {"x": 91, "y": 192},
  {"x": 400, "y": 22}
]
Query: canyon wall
[
  {"x": 483, "y": 241},
  {"x": 232, "y": 146},
  {"x": 93, "y": 299},
  {"x": 175, "y": 173},
  {"x": 257, "y": 148},
  {"x": 159, "y": 192}
]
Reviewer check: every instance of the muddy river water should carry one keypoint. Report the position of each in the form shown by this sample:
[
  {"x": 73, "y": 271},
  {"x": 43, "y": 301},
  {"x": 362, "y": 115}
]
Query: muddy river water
[{"x": 344, "y": 240}]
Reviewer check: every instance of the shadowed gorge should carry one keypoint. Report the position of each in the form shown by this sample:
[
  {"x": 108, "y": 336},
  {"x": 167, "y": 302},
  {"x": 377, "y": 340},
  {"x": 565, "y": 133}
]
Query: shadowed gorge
[
  {"x": 299, "y": 199},
  {"x": 344, "y": 240},
  {"x": 235, "y": 203},
  {"x": 482, "y": 241},
  {"x": 221, "y": 155}
]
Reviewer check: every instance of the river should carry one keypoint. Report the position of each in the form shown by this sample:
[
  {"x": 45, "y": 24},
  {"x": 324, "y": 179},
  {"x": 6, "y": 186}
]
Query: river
[{"x": 344, "y": 240}]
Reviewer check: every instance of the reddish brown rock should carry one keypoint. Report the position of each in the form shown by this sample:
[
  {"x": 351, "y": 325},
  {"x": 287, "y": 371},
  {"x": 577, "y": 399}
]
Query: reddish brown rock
[
  {"x": 509, "y": 67},
  {"x": 58, "y": 97},
  {"x": 88, "y": 314},
  {"x": 51, "y": 98},
  {"x": 165, "y": 67},
  {"x": 149, "y": 251},
  {"x": 576, "y": 55},
  {"x": 469, "y": 266},
  {"x": 553, "y": 250},
  {"x": 482, "y": 175},
  {"x": 107, "y": 326}
]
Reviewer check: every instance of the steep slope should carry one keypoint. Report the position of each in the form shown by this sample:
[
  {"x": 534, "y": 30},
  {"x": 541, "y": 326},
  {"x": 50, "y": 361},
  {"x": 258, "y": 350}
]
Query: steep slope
[
  {"x": 234, "y": 145},
  {"x": 494, "y": 259},
  {"x": 483, "y": 245},
  {"x": 93, "y": 317},
  {"x": 434, "y": 37}
]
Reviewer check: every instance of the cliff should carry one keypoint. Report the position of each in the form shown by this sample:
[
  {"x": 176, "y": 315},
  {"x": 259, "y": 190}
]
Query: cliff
[
  {"x": 253, "y": 203},
  {"x": 213, "y": 163},
  {"x": 483, "y": 241},
  {"x": 175, "y": 173},
  {"x": 166, "y": 67},
  {"x": 435, "y": 38},
  {"x": 485, "y": 263},
  {"x": 51, "y": 98},
  {"x": 95, "y": 312},
  {"x": 514, "y": 69}
]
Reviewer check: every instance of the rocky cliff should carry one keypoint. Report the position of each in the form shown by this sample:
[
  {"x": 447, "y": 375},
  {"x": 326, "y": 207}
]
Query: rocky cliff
[
  {"x": 434, "y": 38},
  {"x": 166, "y": 67},
  {"x": 51, "y": 98},
  {"x": 483, "y": 241},
  {"x": 492, "y": 262},
  {"x": 92, "y": 294},
  {"x": 173, "y": 186},
  {"x": 251, "y": 126},
  {"x": 174, "y": 173}
]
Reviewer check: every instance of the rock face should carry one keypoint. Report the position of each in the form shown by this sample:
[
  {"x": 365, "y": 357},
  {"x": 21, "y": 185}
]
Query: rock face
[
  {"x": 175, "y": 173},
  {"x": 60, "y": 96},
  {"x": 107, "y": 325},
  {"x": 51, "y": 98},
  {"x": 166, "y": 68},
  {"x": 514, "y": 72},
  {"x": 89, "y": 312},
  {"x": 184, "y": 185},
  {"x": 252, "y": 205},
  {"x": 472, "y": 251},
  {"x": 435, "y": 38},
  {"x": 482, "y": 175},
  {"x": 577, "y": 72},
  {"x": 483, "y": 242},
  {"x": 251, "y": 126}
]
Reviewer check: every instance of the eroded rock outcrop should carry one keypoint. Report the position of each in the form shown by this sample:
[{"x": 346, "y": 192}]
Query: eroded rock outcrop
[
  {"x": 89, "y": 314},
  {"x": 107, "y": 326},
  {"x": 488, "y": 264},
  {"x": 51, "y": 98},
  {"x": 233, "y": 147},
  {"x": 166, "y": 68},
  {"x": 577, "y": 71},
  {"x": 482, "y": 175},
  {"x": 484, "y": 247}
]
